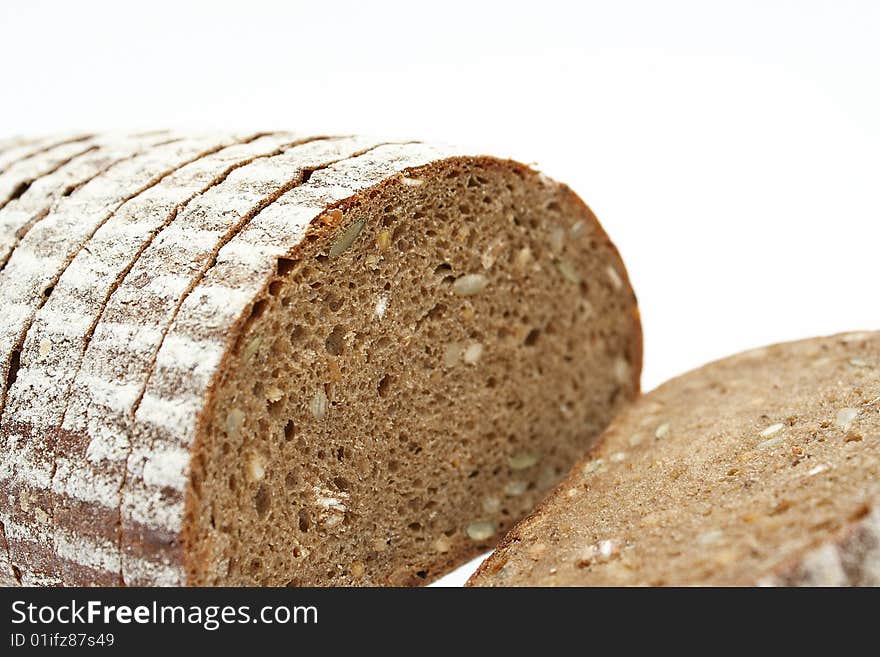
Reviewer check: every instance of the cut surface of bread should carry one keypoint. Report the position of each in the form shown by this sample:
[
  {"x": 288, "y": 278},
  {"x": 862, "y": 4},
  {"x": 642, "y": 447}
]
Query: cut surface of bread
[
  {"x": 300, "y": 361},
  {"x": 757, "y": 469}
]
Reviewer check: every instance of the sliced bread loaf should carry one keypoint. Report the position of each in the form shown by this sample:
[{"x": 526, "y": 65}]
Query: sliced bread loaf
[
  {"x": 16, "y": 180},
  {"x": 333, "y": 361},
  {"x": 29, "y": 207},
  {"x": 757, "y": 469},
  {"x": 19, "y": 151}
]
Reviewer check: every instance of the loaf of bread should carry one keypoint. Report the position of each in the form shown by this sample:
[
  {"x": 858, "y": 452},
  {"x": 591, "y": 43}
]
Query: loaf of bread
[
  {"x": 760, "y": 469},
  {"x": 276, "y": 359}
]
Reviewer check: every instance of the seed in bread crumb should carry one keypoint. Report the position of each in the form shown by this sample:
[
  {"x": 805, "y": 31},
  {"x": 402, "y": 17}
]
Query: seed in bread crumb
[
  {"x": 442, "y": 544},
  {"x": 234, "y": 422},
  {"x": 515, "y": 488},
  {"x": 522, "y": 460},
  {"x": 710, "y": 537},
  {"x": 592, "y": 466},
  {"x": 383, "y": 240},
  {"x": 256, "y": 468},
  {"x": 577, "y": 228},
  {"x": 858, "y": 362},
  {"x": 490, "y": 255},
  {"x": 469, "y": 284},
  {"x": 537, "y": 549},
  {"x": 452, "y": 354},
  {"x": 349, "y": 235},
  {"x": 770, "y": 442},
  {"x": 772, "y": 429},
  {"x": 491, "y": 504},
  {"x": 411, "y": 182},
  {"x": 845, "y": 417},
  {"x": 472, "y": 353},
  {"x": 45, "y": 347},
  {"x": 617, "y": 457},
  {"x": 381, "y": 306},
  {"x": 524, "y": 257},
  {"x": 568, "y": 272},
  {"x": 822, "y": 467},
  {"x": 481, "y": 530},
  {"x": 357, "y": 569},
  {"x": 274, "y": 394},
  {"x": 252, "y": 346},
  {"x": 318, "y": 405},
  {"x": 607, "y": 548},
  {"x": 557, "y": 239},
  {"x": 614, "y": 277},
  {"x": 372, "y": 261},
  {"x": 621, "y": 370},
  {"x": 662, "y": 431}
]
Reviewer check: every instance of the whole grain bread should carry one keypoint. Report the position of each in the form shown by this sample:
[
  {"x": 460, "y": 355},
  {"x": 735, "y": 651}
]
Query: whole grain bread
[
  {"x": 281, "y": 359},
  {"x": 757, "y": 469}
]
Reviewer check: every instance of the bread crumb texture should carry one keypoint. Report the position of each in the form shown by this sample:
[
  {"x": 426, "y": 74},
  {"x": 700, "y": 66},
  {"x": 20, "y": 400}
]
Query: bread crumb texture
[
  {"x": 276, "y": 359},
  {"x": 757, "y": 469}
]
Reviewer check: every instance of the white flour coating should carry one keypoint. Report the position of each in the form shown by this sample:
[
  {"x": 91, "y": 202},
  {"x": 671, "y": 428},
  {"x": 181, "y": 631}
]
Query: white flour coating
[
  {"x": 60, "y": 235},
  {"x": 11, "y": 143},
  {"x": 87, "y": 282},
  {"x": 19, "y": 215},
  {"x": 44, "y": 252},
  {"x": 25, "y": 172},
  {"x": 46, "y": 191},
  {"x": 99, "y": 555},
  {"x": 33, "y": 147}
]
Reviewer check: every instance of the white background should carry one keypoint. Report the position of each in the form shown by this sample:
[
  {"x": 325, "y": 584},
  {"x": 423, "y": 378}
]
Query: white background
[{"x": 731, "y": 149}]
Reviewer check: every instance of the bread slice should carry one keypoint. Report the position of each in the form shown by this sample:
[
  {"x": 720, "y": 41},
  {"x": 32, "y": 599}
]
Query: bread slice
[
  {"x": 349, "y": 363},
  {"x": 28, "y": 280},
  {"x": 67, "y": 320},
  {"x": 757, "y": 469},
  {"x": 20, "y": 214},
  {"x": 11, "y": 143},
  {"x": 16, "y": 180},
  {"x": 33, "y": 149}
]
